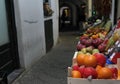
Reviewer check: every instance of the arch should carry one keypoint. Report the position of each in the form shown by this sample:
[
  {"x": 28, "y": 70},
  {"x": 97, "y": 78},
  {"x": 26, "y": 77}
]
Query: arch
[{"x": 72, "y": 8}]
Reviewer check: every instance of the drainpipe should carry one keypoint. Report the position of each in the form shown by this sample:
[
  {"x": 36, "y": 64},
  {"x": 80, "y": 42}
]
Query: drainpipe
[{"x": 112, "y": 12}]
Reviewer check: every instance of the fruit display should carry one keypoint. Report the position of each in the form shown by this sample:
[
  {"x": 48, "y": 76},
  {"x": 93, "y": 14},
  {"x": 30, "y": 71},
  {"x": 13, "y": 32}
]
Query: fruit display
[
  {"x": 93, "y": 66},
  {"x": 100, "y": 39},
  {"x": 95, "y": 37},
  {"x": 96, "y": 56}
]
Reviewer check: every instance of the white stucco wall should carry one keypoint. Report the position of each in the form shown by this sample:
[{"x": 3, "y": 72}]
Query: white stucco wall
[
  {"x": 30, "y": 29},
  {"x": 55, "y": 7}
]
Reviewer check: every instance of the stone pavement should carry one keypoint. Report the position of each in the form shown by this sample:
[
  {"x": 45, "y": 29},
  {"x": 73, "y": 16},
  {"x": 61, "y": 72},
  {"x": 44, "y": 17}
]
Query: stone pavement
[{"x": 52, "y": 68}]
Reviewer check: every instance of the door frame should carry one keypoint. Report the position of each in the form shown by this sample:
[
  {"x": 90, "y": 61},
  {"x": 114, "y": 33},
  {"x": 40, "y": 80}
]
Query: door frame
[{"x": 12, "y": 32}]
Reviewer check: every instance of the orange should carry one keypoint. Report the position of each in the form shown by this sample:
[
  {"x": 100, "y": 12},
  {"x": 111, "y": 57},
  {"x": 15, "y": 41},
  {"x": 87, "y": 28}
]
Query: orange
[
  {"x": 119, "y": 74},
  {"x": 105, "y": 73},
  {"x": 90, "y": 61},
  {"x": 98, "y": 67},
  {"x": 76, "y": 74},
  {"x": 80, "y": 58},
  {"x": 95, "y": 36}
]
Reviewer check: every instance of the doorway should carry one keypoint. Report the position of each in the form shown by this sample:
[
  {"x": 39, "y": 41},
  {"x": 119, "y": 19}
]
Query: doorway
[
  {"x": 9, "y": 59},
  {"x": 49, "y": 34}
]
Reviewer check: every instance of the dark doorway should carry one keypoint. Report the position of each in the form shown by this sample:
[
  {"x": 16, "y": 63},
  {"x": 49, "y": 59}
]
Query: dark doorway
[
  {"x": 68, "y": 15},
  {"x": 49, "y": 34},
  {"x": 9, "y": 59}
]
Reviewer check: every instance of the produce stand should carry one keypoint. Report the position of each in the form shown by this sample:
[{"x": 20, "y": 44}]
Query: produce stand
[
  {"x": 105, "y": 40},
  {"x": 71, "y": 80}
]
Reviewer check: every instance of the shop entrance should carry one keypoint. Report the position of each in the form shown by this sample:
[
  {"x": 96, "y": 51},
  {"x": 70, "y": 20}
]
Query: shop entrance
[{"x": 8, "y": 43}]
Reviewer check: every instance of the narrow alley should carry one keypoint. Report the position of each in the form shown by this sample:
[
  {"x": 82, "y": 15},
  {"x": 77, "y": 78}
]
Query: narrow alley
[
  {"x": 38, "y": 38},
  {"x": 52, "y": 68}
]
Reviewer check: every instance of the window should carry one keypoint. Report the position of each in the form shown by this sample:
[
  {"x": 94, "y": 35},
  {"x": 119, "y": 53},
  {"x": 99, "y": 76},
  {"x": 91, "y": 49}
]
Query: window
[{"x": 47, "y": 8}]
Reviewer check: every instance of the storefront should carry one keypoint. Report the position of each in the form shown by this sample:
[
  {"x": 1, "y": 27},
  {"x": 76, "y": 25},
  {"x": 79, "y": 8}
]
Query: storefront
[{"x": 8, "y": 42}]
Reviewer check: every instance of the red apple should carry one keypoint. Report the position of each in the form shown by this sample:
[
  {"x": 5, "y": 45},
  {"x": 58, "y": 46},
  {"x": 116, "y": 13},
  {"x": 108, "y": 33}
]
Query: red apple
[
  {"x": 83, "y": 37},
  {"x": 88, "y": 42},
  {"x": 90, "y": 71},
  {"x": 96, "y": 42},
  {"x": 81, "y": 69},
  {"x": 80, "y": 46},
  {"x": 82, "y": 41},
  {"x": 101, "y": 59},
  {"x": 75, "y": 67},
  {"x": 102, "y": 47},
  {"x": 115, "y": 72}
]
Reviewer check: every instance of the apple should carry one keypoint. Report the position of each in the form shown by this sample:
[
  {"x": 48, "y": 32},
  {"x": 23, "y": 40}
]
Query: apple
[
  {"x": 84, "y": 50},
  {"x": 101, "y": 59},
  {"x": 80, "y": 46},
  {"x": 102, "y": 47},
  {"x": 84, "y": 37},
  {"x": 88, "y": 54},
  {"x": 95, "y": 51},
  {"x": 89, "y": 49},
  {"x": 79, "y": 52},
  {"x": 82, "y": 41},
  {"x": 88, "y": 42},
  {"x": 81, "y": 70},
  {"x": 96, "y": 42},
  {"x": 90, "y": 71},
  {"x": 75, "y": 67},
  {"x": 115, "y": 72}
]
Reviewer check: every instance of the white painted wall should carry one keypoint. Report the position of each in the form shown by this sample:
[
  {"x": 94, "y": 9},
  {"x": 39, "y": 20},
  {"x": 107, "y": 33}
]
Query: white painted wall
[
  {"x": 55, "y": 7},
  {"x": 30, "y": 29}
]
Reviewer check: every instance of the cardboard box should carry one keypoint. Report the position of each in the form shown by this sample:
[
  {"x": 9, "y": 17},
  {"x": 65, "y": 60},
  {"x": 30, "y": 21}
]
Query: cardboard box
[{"x": 71, "y": 80}]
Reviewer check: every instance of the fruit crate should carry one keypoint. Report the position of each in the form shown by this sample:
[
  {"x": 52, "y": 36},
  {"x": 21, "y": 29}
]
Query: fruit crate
[{"x": 71, "y": 80}]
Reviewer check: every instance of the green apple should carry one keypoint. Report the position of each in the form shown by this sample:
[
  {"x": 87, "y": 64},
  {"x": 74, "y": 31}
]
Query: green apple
[
  {"x": 88, "y": 54},
  {"x": 89, "y": 49},
  {"x": 79, "y": 52},
  {"x": 95, "y": 51},
  {"x": 84, "y": 50}
]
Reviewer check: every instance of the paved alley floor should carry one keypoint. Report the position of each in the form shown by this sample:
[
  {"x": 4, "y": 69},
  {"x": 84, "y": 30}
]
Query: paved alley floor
[{"x": 52, "y": 68}]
